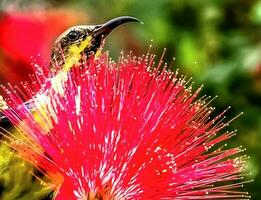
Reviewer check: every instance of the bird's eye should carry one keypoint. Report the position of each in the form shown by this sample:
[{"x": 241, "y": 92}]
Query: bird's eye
[{"x": 73, "y": 35}]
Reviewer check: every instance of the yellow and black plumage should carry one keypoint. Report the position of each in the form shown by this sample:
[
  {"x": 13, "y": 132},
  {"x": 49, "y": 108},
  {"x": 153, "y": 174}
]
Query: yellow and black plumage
[{"x": 83, "y": 39}]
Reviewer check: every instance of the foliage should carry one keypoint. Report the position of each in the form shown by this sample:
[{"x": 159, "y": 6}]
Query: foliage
[{"x": 15, "y": 181}]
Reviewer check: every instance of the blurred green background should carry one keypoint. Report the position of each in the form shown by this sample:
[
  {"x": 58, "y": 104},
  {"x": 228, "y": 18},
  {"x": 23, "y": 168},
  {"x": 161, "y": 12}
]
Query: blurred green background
[{"x": 217, "y": 42}]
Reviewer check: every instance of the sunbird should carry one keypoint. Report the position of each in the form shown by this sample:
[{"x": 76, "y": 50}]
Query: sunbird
[
  {"x": 68, "y": 49},
  {"x": 74, "y": 44}
]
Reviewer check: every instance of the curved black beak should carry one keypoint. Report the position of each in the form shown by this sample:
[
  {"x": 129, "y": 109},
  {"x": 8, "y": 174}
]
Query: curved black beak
[{"x": 105, "y": 29}]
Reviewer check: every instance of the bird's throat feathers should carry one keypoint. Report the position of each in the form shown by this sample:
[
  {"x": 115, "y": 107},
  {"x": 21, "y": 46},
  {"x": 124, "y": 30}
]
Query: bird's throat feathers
[{"x": 74, "y": 53}]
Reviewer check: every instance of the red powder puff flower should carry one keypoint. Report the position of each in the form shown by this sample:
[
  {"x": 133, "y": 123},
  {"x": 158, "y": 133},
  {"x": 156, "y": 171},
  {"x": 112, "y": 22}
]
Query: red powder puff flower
[
  {"x": 26, "y": 35},
  {"x": 126, "y": 130}
]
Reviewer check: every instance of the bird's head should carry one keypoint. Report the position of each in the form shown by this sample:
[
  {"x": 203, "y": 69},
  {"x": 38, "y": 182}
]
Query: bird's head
[{"x": 81, "y": 40}]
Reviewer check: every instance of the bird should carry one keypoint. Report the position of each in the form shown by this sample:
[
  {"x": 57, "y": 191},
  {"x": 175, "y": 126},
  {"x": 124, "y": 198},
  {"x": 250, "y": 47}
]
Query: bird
[
  {"x": 68, "y": 49},
  {"x": 82, "y": 39}
]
